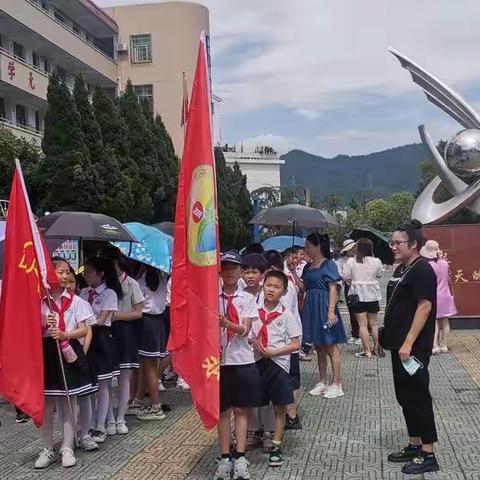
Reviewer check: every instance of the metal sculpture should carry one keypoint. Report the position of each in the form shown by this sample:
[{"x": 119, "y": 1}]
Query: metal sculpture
[{"x": 459, "y": 170}]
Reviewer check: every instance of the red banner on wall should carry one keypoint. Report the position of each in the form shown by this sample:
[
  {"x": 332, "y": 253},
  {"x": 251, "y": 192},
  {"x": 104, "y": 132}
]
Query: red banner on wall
[{"x": 460, "y": 244}]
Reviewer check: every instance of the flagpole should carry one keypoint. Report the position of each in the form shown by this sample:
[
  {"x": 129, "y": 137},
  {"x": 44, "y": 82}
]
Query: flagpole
[{"x": 184, "y": 105}]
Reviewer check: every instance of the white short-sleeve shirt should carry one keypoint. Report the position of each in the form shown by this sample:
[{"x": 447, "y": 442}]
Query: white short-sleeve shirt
[
  {"x": 78, "y": 311},
  {"x": 364, "y": 278},
  {"x": 281, "y": 332},
  {"x": 168, "y": 299},
  {"x": 132, "y": 294},
  {"x": 105, "y": 300},
  {"x": 237, "y": 350},
  {"x": 154, "y": 302}
]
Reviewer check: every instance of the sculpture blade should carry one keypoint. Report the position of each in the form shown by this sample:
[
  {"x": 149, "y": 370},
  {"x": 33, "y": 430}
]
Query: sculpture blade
[{"x": 439, "y": 94}]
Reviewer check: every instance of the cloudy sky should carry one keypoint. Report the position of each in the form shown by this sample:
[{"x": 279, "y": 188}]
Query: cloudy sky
[{"x": 316, "y": 74}]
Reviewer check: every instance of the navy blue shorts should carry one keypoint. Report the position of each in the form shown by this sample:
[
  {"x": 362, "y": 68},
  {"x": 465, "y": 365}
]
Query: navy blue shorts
[
  {"x": 240, "y": 386},
  {"x": 277, "y": 385},
  {"x": 295, "y": 370}
]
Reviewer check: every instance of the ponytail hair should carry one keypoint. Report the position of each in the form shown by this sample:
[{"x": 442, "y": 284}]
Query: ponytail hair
[{"x": 109, "y": 274}]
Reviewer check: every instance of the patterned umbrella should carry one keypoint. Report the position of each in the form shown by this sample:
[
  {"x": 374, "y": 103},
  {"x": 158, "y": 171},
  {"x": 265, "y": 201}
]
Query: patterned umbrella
[{"x": 154, "y": 247}]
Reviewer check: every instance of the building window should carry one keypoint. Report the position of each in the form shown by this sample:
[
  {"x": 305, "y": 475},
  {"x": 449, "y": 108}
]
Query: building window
[
  {"x": 2, "y": 108},
  {"x": 59, "y": 16},
  {"x": 35, "y": 59},
  {"x": 144, "y": 94},
  {"x": 18, "y": 50},
  {"x": 37, "y": 121},
  {"x": 20, "y": 115},
  {"x": 76, "y": 28},
  {"x": 140, "y": 48}
]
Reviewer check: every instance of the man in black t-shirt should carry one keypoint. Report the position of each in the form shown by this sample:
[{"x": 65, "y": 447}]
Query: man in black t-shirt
[{"x": 408, "y": 332}]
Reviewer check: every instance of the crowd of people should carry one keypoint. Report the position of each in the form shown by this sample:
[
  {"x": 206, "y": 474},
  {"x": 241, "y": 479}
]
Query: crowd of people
[{"x": 276, "y": 308}]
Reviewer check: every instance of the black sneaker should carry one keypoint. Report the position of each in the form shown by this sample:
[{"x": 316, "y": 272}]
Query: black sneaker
[
  {"x": 422, "y": 463},
  {"x": 21, "y": 418},
  {"x": 275, "y": 459},
  {"x": 293, "y": 423},
  {"x": 405, "y": 454}
]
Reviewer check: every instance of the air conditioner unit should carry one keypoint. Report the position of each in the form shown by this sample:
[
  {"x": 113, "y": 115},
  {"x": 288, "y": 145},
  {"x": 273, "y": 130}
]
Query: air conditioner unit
[{"x": 122, "y": 47}]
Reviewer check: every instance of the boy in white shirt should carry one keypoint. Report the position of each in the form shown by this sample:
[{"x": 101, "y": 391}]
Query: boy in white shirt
[
  {"x": 274, "y": 337},
  {"x": 240, "y": 385}
]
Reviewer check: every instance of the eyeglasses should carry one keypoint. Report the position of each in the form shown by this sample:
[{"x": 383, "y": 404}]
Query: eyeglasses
[{"x": 397, "y": 243}]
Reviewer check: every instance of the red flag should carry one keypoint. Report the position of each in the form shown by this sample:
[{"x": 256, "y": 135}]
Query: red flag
[
  {"x": 194, "y": 339},
  {"x": 27, "y": 269},
  {"x": 183, "y": 121}
]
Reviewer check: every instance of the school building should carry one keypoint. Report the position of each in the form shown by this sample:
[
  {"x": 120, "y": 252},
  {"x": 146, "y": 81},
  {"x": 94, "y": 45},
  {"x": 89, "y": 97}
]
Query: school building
[{"x": 152, "y": 45}]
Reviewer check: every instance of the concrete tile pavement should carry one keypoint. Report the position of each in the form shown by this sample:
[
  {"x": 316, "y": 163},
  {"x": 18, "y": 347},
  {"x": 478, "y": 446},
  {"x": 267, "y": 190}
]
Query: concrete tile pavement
[{"x": 346, "y": 438}]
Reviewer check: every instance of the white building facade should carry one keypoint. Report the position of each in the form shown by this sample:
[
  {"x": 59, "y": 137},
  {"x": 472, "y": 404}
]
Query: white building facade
[{"x": 262, "y": 169}]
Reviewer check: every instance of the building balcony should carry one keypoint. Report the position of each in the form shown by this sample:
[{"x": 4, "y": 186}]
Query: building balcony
[
  {"x": 22, "y": 131},
  {"x": 16, "y": 72},
  {"x": 31, "y": 24}
]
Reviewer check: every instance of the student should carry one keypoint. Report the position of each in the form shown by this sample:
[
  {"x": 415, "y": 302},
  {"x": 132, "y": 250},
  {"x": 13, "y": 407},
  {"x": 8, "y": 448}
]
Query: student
[
  {"x": 239, "y": 378},
  {"x": 408, "y": 333},
  {"x": 153, "y": 340},
  {"x": 125, "y": 332},
  {"x": 290, "y": 301},
  {"x": 63, "y": 319},
  {"x": 261, "y": 422},
  {"x": 275, "y": 336},
  {"x": 103, "y": 294}
]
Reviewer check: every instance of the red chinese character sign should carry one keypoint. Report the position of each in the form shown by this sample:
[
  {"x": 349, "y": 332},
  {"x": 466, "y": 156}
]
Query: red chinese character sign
[
  {"x": 31, "y": 81},
  {"x": 460, "y": 244},
  {"x": 11, "y": 70}
]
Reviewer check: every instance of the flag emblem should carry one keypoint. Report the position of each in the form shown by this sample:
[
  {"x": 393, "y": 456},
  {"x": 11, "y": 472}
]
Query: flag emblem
[{"x": 202, "y": 240}]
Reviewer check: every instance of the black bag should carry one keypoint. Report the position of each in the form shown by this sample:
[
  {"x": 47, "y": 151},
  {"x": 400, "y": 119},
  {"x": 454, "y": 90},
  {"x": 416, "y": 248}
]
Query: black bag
[{"x": 353, "y": 300}]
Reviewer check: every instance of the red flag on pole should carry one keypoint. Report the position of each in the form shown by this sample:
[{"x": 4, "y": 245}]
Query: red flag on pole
[
  {"x": 27, "y": 271},
  {"x": 194, "y": 339}
]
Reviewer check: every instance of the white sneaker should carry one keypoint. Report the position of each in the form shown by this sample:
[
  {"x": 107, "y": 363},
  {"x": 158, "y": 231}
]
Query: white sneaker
[
  {"x": 161, "y": 386},
  {"x": 151, "y": 414},
  {"x": 318, "y": 389},
  {"x": 358, "y": 341},
  {"x": 181, "y": 383},
  {"x": 99, "y": 436},
  {"x": 224, "y": 469},
  {"x": 351, "y": 340},
  {"x": 443, "y": 349},
  {"x": 334, "y": 391},
  {"x": 240, "y": 469},
  {"x": 111, "y": 429},
  {"x": 135, "y": 407},
  {"x": 87, "y": 444},
  {"x": 68, "y": 458},
  {"x": 122, "y": 428},
  {"x": 436, "y": 350},
  {"x": 45, "y": 459}
]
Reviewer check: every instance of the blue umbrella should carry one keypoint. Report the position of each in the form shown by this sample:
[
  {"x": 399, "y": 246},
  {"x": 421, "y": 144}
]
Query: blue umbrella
[
  {"x": 154, "y": 247},
  {"x": 282, "y": 242}
]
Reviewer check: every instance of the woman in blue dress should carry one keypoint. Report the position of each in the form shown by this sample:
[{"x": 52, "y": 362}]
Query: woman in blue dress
[{"x": 322, "y": 324}]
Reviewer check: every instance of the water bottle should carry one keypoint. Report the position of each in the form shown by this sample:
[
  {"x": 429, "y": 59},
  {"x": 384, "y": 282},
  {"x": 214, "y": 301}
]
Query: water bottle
[{"x": 68, "y": 352}]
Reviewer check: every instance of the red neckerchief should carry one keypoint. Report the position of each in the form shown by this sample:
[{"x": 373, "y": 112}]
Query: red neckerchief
[
  {"x": 66, "y": 302},
  {"x": 267, "y": 319},
  {"x": 231, "y": 313},
  {"x": 92, "y": 294}
]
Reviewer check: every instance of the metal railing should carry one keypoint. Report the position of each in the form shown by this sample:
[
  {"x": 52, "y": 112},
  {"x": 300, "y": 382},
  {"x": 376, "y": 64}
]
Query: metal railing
[
  {"x": 25, "y": 128},
  {"x": 24, "y": 61},
  {"x": 73, "y": 32}
]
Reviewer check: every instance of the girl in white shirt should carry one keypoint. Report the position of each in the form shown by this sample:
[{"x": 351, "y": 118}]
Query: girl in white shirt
[
  {"x": 362, "y": 273},
  {"x": 153, "y": 338},
  {"x": 103, "y": 294},
  {"x": 64, "y": 319}
]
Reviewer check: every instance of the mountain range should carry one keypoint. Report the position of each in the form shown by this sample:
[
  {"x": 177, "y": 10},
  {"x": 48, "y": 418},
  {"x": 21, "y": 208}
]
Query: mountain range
[{"x": 374, "y": 175}]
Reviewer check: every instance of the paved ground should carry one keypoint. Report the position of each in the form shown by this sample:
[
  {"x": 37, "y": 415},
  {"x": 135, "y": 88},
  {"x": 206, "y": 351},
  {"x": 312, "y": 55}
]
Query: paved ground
[{"x": 346, "y": 438}]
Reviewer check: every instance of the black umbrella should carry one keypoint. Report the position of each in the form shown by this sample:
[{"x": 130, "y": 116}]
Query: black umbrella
[
  {"x": 296, "y": 216},
  {"x": 381, "y": 247},
  {"x": 165, "y": 227},
  {"x": 84, "y": 226}
]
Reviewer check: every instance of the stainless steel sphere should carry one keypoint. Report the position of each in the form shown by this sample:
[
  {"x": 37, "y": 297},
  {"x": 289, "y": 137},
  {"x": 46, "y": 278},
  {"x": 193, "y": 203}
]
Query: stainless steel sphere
[{"x": 462, "y": 154}]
